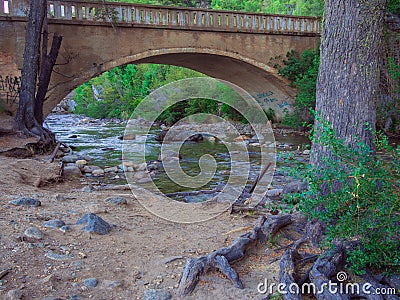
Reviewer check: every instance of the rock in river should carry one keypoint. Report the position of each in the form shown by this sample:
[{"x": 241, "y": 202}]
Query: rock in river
[
  {"x": 70, "y": 158},
  {"x": 94, "y": 224},
  {"x": 72, "y": 171}
]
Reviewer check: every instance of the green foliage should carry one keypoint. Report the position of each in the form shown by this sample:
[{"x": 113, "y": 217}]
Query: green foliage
[
  {"x": 356, "y": 194},
  {"x": 302, "y": 71},
  {"x": 292, "y": 7},
  {"x": 393, "y": 6},
  {"x": 238, "y": 5},
  {"x": 288, "y": 7},
  {"x": 117, "y": 92},
  {"x": 394, "y": 74}
]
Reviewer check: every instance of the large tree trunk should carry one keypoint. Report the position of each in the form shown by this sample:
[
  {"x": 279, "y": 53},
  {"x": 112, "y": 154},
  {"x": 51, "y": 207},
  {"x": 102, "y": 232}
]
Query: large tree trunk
[{"x": 348, "y": 79}]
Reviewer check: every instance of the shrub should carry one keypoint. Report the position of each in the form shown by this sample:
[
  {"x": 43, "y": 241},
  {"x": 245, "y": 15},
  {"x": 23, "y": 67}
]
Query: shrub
[
  {"x": 362, "y": 203},
  {"x": 302, "y": 71}
]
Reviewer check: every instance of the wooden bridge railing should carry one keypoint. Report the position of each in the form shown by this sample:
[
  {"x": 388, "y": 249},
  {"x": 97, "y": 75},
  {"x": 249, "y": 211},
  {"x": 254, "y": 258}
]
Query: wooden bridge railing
[{"x": 171, "y": 17}]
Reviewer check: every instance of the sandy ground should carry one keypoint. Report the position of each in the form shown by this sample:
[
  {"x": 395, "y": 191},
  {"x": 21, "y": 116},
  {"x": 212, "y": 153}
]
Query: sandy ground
[{"x": 142, "y": 251}]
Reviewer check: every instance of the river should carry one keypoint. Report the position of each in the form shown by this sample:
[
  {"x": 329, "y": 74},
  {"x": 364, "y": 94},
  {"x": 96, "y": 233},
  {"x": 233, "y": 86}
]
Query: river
[{"x": 100, "y": 139}]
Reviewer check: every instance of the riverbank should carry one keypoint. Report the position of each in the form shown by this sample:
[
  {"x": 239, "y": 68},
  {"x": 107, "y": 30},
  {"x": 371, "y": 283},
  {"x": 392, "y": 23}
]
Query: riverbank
[{"x": 140, "y": 253}]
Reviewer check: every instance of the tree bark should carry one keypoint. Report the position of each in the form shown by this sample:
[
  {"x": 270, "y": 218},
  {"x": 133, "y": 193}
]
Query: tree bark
[
  {"x": 29, "y": 117},
  {"x": 25, "y": 117},
  {"x": 348, "y": 78},
  {"x": 47, "y": 64}
]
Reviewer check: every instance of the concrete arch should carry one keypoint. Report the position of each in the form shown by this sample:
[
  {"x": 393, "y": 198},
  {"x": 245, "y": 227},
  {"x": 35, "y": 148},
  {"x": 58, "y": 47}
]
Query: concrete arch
[{"x": 259, "y": 79}]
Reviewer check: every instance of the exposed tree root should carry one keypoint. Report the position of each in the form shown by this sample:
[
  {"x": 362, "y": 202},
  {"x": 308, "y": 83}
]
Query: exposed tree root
[
  {"x": 37, "y": 131},
  {"x": 328, "y": 264},
  {"x": 315, "y": 231},
  {"x": 221, "y": 259},
  {"x": 288, "y": 270}
]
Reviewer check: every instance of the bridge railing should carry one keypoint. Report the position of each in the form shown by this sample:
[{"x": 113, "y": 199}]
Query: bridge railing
[{"x": 171, "y": 17}]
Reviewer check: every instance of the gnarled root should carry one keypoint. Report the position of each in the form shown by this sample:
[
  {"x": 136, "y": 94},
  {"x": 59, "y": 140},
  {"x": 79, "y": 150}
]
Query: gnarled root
[{"x": 221, "y": 259}]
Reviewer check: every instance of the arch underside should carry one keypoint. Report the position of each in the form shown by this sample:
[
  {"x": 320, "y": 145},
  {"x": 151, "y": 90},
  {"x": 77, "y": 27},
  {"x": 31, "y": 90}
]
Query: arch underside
[{"x": 258, "y": 79}]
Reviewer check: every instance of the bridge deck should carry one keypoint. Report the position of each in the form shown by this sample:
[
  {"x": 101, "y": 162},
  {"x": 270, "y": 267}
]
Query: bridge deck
[{"x": 170, "y": 17}]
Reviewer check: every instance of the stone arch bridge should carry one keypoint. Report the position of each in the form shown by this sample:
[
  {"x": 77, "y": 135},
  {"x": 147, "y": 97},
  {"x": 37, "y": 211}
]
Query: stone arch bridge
[{"x": 233, "y": 46}]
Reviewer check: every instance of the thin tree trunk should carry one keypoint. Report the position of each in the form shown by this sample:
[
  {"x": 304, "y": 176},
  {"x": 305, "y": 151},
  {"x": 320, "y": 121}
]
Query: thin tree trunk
[
  {"x": 48, "y": 62},
  {"x": 348, "y": 79}
]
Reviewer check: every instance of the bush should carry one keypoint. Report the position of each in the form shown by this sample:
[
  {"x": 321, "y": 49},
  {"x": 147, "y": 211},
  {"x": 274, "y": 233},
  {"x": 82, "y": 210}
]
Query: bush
[
  {"x": 356, "y": 195},
  {"x": 302, "y": 71}
]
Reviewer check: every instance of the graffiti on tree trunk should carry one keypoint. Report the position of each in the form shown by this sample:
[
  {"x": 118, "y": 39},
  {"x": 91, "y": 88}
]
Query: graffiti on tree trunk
[{"x": 9, "y": 89}]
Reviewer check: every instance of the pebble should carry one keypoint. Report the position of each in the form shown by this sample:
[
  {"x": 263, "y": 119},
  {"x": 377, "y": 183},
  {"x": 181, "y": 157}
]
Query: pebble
[
  {"x": 98, "y": 173},
  {"x": 55, "y": 256},
  {"x": 26, "y": 201},
  {"x": 65, "y": 228},
  {"x": 128, "y": 137},
  {"x": 54, "y": 224},
  {"x": 306, "y": 152},
  {"x": 127, "y": 164},
  {"x": 52, "y": 298},
  {"x": 111, "y": 170},
  {"x": 141, "y": 167},
  {"x": 14, "y": 294},
  {"x": 81, "y": 162},
  {"x": 156, "y": 294},
  {"x": 254, "y": 144},
  {"x": 33, "y": 232},
  {"x": 90, "y": 169},
  {"x": 94, "y": 224},
  {"x": 169, "y": 154},
  {"x": 140, "y": 175},
  {"x": 116, "y": 200},
  {"x": 111, "y": 284},
  {"x": 90, "y": 282},
  {"x": 144, "y": 180}
]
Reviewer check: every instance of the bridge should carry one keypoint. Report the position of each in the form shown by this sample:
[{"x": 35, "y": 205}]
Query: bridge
[{"x": 233, "y": 46}]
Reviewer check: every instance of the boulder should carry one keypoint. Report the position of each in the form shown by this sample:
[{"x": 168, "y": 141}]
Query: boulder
[
  {"x": 72, "y": 171},
  {"x": 98, "y": 173},
  {"x": 156, "y": 294},
  {"x": 70, "y": 158},
  {"x": 168, "y": 154},
  {"x": 34, "y": 233},
  {"x": 295, "y": 187},
  {"x": 95, "y": 224},
  {"x": 26, "y": 201},
  {"x": 111, "y": 170},
  {"x": 128, "y": 137},
  {"x": 90, "y": 169},
  {"x": 116, "y": 200},
  {"x": 54, "y": 224}
]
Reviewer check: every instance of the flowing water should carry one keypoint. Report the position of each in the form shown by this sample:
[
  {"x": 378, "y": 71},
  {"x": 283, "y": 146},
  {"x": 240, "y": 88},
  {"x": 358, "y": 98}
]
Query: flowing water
[{"x": 101, "y": 141}]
